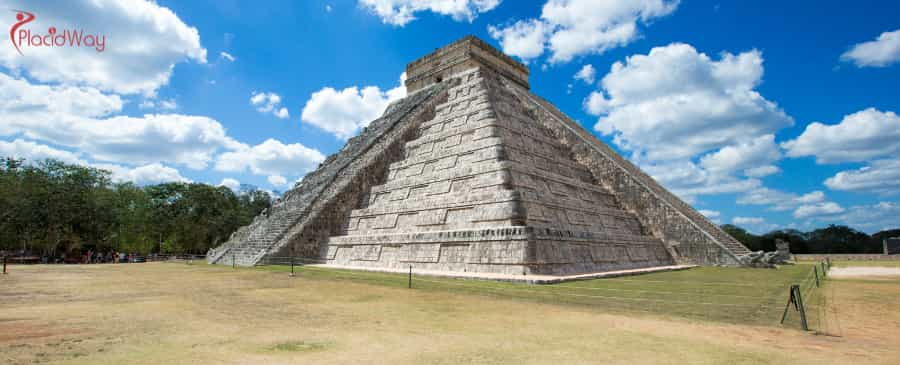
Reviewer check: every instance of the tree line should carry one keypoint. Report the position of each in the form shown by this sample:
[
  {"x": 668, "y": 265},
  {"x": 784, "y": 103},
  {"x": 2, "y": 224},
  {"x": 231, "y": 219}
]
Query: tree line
[
  {"x": 831, "y": 239},
  {"x": 51, "y": 208}
]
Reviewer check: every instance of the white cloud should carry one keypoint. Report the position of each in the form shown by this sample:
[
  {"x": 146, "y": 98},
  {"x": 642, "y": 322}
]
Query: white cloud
[
  {"x": 712, "y": 215},
  {"x": 819, "y": 209},
  {"x": 677, "y": 94},
  {"x": 77, "y": 117},
  {"x": 227, "y": 56},
  {"x": 879, "y": 176},
  {"x": 748, "y": 220},
  {"x": 756, "y": 225},
  {"x": 523, "y": 39},
  {"x": 230, "y": 183},
  {"x": 860, "y": 136},
  {"x": 873, "y": 218},
  {"x": 586, "y": 74},
  {"x": 687, "y": 180},
  {"x": 343, "y": 113},
  {"x": 761, "y": 171},
  {"x": 169, "y": 104},
  {"x": 144, "y": 41},
  {"x": 695, "y": 124},
  {"x": 186, "y": 140},
  {"x": 571, "y": 28},
  {"x": 881, "y": 52},
  {"x": 23, "y": 98},
  {"x": 154, "y": 173},
  {"x": 34, "y": 152},
  {"x": 268, "y": 103},
  {"x": 813, "y": 197},
  {"x": 753, "y": 157},
  {"x": 271, "y": 158},
  {"x": 277, "y": 180},
  {"x": 780, "y": 200},
  {"x": 870, "y": 136},
  {"x": 400, "y": 12}
]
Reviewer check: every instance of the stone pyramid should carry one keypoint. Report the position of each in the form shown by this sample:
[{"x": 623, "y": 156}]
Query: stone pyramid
[{"x": 473, "y": 173}]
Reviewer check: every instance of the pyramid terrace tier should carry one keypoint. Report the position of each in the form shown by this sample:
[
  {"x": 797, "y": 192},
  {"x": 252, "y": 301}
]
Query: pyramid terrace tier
[
  {"x": 510, "y": 174},
  {"x": 484, "y": 206},
  {"x": 509, "y": 250}
]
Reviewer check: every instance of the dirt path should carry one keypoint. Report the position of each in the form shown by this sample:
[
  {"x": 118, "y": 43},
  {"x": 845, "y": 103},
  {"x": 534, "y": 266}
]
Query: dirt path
[
  {"x": 179, "y": 314},
  {"x": 864, "y": 272}
]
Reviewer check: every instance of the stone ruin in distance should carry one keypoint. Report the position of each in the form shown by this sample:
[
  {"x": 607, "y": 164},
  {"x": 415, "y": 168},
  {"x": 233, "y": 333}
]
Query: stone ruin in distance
[{"x": 471, "y": 172}]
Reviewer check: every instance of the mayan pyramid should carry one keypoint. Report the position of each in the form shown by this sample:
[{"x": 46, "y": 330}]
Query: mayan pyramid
[{"x": 473, "y": 173}]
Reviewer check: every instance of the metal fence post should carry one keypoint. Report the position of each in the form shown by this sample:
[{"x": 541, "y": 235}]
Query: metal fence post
[
  {"x": 292, "y": 266},
  {"x": 4, "y": 264},
  {"x": 409, "y": 284},
  {"x": 816, "y": 271},
  {"x": 233, "y": 266},
  {"x": 823, "y": 270},
  {"x": 799, "y": 298}
]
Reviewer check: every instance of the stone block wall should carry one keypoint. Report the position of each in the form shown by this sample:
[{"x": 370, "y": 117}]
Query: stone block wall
[
  {"x": 486, "y": 188},
  {"x": 689, "y": 237}
]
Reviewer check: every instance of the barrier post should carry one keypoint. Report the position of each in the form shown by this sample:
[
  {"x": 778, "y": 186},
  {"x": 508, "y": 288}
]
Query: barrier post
[
  {"x": 409, "y": 284},
  {"x": 4, "y": 264},
  {"x": 292, "y": 266},
  {"x": 233, "y": 266},
  {"x": 799, "y": 299},
  {"x": 816, "y": 271},
  {"x": 823, "y": 270}
]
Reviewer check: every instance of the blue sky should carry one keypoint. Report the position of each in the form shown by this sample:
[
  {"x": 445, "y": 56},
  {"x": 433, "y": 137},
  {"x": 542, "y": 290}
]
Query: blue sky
[{"x": 763, "y": 114}]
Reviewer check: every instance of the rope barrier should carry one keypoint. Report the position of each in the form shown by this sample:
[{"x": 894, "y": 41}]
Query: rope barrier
[
  {"x": 483, "y": 286},
  {"x": 700, "y": 299}
]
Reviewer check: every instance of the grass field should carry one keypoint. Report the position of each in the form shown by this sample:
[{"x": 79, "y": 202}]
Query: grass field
[
  {"x": 747, "y": 296},
  {"x": 176, "y": 313}
]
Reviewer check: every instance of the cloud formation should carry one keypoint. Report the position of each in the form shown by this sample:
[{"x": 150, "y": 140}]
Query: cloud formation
[
  {"x": 587, "y": 73},
  {"x": 270, "y": 158},
  {"x": 344, "y": 112},
  {"x": 694, "y": 123},
  {"x": 572, "y": 28},
  {"x": 883, "y": 51},
  {"x": 401, "y": 12},
  {"x": 860, "y": 136},
  {"x": 144, "y": 42},
  {"x": 269, "y": 103}
]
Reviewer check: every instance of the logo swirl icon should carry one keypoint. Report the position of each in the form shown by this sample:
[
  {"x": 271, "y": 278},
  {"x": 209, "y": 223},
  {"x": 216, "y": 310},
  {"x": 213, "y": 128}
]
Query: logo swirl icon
[{"x": 23, "y": 17}]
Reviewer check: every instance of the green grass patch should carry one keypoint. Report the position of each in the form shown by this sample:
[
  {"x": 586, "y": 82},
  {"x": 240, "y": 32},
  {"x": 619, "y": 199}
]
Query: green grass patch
[
  {"x": 867, "y": 263},
  {"x": 732, "y": 295},
  {"x": 299, "y": 346}
]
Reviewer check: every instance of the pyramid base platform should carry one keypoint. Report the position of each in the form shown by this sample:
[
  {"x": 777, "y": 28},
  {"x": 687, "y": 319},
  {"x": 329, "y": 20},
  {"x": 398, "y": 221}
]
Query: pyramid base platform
[{"x": 527, "y": 278}]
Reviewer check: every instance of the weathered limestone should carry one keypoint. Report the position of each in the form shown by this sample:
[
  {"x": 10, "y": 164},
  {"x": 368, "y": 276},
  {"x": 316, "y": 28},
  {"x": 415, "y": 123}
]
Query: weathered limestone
[{"x": 473, "y": 173}]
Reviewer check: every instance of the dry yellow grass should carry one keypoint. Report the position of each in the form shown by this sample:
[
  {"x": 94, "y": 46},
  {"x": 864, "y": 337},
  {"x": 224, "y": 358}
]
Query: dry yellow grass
[{"x": 178, "y": 314}]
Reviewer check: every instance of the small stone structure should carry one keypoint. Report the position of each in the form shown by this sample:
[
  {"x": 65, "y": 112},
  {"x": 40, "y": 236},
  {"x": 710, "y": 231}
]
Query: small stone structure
[
  {"x": 473, "y": 173},
  {"x": 892, "y": 246},
  {"x": 783, "y": 250},
  {"x": 781, "y": 256}
]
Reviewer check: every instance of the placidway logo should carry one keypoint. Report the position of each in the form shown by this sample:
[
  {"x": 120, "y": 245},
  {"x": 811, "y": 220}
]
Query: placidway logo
[{"x": 67, "y": 38}]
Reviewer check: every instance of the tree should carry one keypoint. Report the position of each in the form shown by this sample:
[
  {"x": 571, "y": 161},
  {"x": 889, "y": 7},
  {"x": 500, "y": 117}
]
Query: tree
[{"x": 53, "y": 208}]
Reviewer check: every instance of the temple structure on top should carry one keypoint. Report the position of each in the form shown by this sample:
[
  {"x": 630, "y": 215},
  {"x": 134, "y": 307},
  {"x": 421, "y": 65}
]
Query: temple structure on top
[{"x": 473, "y": 173}]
